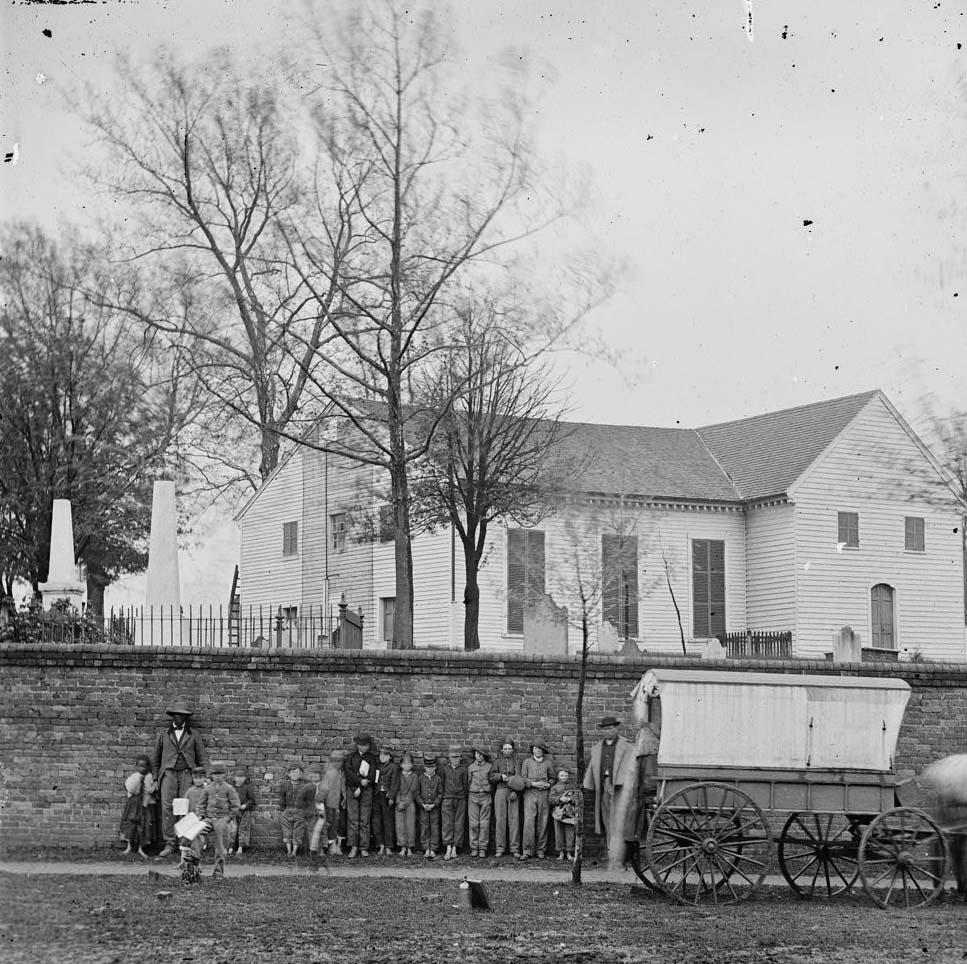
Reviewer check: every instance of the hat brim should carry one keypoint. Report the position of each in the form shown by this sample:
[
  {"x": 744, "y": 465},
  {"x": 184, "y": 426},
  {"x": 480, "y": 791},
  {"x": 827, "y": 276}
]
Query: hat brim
[{"x": 179, "y": 711}]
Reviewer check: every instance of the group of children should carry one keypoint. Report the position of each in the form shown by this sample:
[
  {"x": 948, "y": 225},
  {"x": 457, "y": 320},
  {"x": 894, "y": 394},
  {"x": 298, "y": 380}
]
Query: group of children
[
  {"x": 370, "y": 800},
  {"x": 226, "y": 807}
]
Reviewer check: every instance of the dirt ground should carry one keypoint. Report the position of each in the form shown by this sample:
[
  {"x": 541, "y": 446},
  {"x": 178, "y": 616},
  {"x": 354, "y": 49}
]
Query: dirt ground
[{"x": 310, "y": 920}]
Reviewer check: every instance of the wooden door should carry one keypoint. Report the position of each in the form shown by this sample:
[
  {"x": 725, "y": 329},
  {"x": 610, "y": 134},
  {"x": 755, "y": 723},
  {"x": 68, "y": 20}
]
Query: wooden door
[{"x": 882, "y": 622}]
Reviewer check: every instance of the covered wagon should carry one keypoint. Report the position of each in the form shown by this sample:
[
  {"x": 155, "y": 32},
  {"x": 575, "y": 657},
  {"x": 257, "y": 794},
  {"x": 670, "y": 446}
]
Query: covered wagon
[{"x": 758, "y": 772}]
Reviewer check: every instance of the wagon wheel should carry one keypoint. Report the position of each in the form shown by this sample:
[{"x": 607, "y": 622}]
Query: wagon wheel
[
  {"x": 817, "y": 853},
  {"x": 903, "y": 858},
  {"x": 638, "y": 856},
  {"x": 708, "y": 842}
]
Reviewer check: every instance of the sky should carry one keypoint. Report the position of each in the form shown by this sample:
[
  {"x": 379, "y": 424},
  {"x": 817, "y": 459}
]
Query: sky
[{"x": 790, "y": 196}]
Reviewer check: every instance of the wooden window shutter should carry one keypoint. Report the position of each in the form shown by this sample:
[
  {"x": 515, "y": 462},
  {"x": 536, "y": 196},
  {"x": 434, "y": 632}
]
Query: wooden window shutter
[
  {"x": 516, "y": 577},
  {"x": 619, "y": 566},
  {"x": 535, "y": 564},
  {"x": 913, "y": 534},
  {"x": 525, "y": 573},
  {"x": 708, "y": 587}
]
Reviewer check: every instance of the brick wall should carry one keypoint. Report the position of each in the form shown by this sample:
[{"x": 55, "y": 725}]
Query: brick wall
[{"x": 73, "y": 719}]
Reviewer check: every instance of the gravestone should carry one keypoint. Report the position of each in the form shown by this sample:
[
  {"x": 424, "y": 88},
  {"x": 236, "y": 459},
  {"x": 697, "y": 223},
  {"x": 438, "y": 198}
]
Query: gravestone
[
  {"x": 608, "y": 640},
  {"x": 545, "y": 628},
  {"x": 846, "y": 646},
  {"x": 62, "y": 579}
]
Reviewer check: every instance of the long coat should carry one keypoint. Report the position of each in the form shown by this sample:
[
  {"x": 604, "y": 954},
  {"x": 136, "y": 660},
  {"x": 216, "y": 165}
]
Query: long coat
[
  {"x": 623, "y": 751},
  {"x": 167, "y": 748}
]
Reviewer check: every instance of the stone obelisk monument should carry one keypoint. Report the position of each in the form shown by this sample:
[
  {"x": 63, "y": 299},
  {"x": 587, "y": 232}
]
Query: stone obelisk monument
[
  {"x": 62, "y": 579},
  {"x": 162, "y": 624}
]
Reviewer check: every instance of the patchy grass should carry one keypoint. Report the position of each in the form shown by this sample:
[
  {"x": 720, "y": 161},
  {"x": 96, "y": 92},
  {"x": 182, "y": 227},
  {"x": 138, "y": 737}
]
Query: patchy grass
[{"x": 312, "y": 920}]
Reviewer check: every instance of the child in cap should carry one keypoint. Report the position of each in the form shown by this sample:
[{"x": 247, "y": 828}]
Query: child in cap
[
  {"x": 506, "y": 768},
  {"x": 248, "y": 801},
  {"x": 407, "y": 796},
  {"x": 453, "y": 806},
  {"x": 538, "y": 773},
  {"x": 138, "y": 815},
  {"x": 191, "y": 850},
  {"x": 384, "y": 812},
  {"x": 430, "y": 796},
  {"x": 331, "y": 793},
  {"x": 479, "y": 802},
  {"x": 219, "y": 806},
  {"x": 292, "y": 818},
  {"x": 561, "y": 799},
  {"x": 361, "y": 769}
]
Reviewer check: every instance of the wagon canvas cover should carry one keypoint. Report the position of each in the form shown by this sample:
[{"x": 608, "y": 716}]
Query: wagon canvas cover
[{"x": 766, "y": 720}]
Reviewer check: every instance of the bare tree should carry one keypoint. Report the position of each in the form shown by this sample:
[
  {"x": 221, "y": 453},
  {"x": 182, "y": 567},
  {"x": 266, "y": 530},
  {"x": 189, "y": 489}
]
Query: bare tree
[
  {"x": 441, "y": 184},
  {"x": 602, "y": 548},
  {"x": 496, "y": 452},
  {"x": 948, "y": 435},
  {"x": 210, "y": 163}
]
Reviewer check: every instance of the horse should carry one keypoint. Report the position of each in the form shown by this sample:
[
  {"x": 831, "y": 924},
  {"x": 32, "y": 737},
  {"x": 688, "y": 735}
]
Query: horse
[{"x": 946, "y": 782}]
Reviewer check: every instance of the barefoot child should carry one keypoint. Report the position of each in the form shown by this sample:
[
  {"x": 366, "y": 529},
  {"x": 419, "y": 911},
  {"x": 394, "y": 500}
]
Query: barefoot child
[
  {"x": 561, "y": 800},
  {"x": 137, "y": 818}
]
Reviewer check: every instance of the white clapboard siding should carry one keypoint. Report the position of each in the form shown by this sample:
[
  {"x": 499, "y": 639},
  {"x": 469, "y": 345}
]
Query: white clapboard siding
[
  {"x": 268, "y": 577},
  {"x": 771, "y": 568},
  {"x": 875, "y": 469},
  {"x": 578, "y": 530}
]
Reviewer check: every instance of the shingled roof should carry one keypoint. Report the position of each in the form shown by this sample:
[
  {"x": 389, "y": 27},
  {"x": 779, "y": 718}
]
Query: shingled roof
[
  {"x": 765, "y": 454},
  {"x": 654, "y": 463},
  {"x": 732, "y": 462}
]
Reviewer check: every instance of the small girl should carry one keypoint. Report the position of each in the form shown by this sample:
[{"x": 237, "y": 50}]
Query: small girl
[
  {"x": 247, "y": 804},
  {"x": 138, "y": 817},
  {"x": 561, "y": 799}
]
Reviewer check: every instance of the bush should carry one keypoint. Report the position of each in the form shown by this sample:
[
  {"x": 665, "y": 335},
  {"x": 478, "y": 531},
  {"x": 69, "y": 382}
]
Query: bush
[{"x": 30, "y": 624}]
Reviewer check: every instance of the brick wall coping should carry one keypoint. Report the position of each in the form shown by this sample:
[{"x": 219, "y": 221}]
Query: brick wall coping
[{"x": 442, "y": 662}]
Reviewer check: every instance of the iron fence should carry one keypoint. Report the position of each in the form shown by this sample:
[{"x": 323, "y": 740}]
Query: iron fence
[{"x": 774, "y": 645}]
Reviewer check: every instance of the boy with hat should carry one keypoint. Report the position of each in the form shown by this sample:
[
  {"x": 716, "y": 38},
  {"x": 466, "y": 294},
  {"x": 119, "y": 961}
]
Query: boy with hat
[
  {"x": 609, "y": 758},
  {"x": 453, "y": 807},
  {"x": 292, "y": 819},
  {"x": 407, "y": 799},
  {"x": 479, "y": 804},
  {"x": 360, "y": 778},
  {"x": 219, "y": 805},
  {"x": 177, "y": 750},
  {"x": 384, "y": 802},
  {"x": 429, "y": 796},
  {"x": 538, "y": 773},
  {"x": 506, "y": 799}
]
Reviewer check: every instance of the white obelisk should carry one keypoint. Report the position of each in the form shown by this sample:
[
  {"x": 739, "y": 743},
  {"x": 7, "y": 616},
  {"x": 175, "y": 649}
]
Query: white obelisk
[
  {"x": 63, "y": 581},
  {"x": 162, "y": 624}
]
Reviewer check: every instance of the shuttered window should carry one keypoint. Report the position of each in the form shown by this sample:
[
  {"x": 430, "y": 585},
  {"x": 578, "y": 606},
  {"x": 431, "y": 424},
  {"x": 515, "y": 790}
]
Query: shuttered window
[
  {"x": 913, "y": 534},
  {"x": 525, "y": 573},
  {"x": 848, "y": 525},
  {"x": 708, "y": 588},
  {"x": 619, "y": 567},
  {"x": 290, "y": 538},
  {"x": 338, "y": 523}
]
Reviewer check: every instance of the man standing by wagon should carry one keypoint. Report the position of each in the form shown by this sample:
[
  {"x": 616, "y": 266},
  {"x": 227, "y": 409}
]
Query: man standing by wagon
[
  {"x": 608, "y": 758},
  {"x": 176, "y": 751}
]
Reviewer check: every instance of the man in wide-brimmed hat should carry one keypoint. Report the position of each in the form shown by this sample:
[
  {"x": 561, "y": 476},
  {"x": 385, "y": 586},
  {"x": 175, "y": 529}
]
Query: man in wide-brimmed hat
[
  {"x": 176, "y": 751},
  {"x": 607, "y": 761}
]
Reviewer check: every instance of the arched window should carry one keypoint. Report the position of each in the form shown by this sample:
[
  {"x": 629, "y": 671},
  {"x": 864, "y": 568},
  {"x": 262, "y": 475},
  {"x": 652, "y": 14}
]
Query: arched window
[{"x": 882, "y": 614}]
